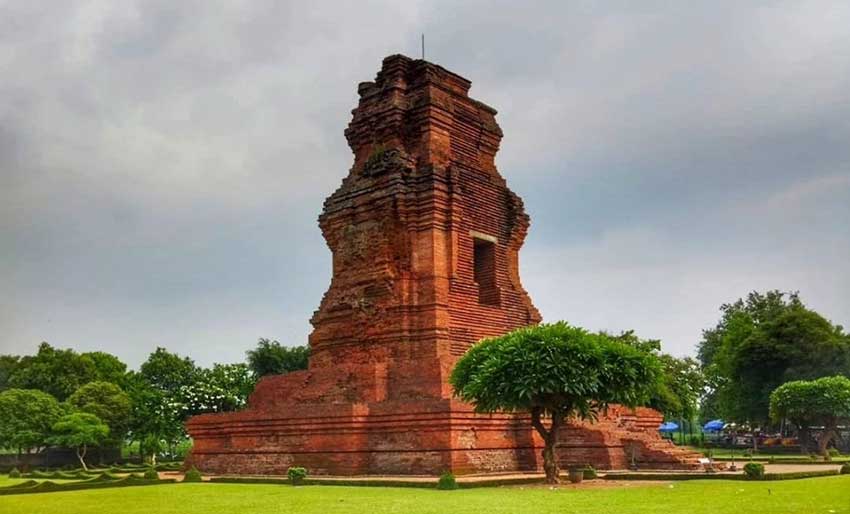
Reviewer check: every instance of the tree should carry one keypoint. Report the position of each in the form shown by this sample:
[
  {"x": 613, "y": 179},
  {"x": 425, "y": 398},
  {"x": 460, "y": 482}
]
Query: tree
[
  {"x": 54, "y": 371},
  {"x": 80, "y": 430},
  {"x": 26, "y": 419},
  {"x": 109, "y": 403},
  {"x": 681, "y": 383},
  {"x": 825, "y": 401},
  {"x": 108, "y": 368},
  {"x": 271, "y": 358},
  {"x": 681, "y": 386},
  {"x": 223, "y": 388},
  {"x": 554, "y": 370},
  {"x": 168, "y": 371},
  {"x": 8, "y": 363},
  {"x": 154, "y": 415},
  {"x": 762, "y": 342}
]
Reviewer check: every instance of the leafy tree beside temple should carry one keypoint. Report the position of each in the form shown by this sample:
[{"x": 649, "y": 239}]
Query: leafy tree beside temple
[{"x": 555, "y": 372}]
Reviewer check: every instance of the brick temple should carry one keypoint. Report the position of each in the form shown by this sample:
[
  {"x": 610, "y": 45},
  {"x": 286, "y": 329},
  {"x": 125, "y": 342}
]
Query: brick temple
[{"x": 425, "y": 236}]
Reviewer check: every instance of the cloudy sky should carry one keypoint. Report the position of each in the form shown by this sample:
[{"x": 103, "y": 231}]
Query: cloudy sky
[{"x": 162, "y": 164}]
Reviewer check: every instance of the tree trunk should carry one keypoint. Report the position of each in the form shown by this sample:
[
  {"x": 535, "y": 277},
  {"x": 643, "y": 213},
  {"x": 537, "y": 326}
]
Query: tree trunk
[
  {"x": 550, "y": 440},
  {"x": 824, "y": 440},
  {"x": 803, "y": 438},
  {"x": 81, "y": 456}
]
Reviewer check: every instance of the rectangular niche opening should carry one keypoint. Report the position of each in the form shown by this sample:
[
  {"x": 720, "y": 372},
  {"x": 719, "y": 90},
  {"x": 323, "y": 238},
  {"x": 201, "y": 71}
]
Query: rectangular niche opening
[{"x": 484, "y": 269}]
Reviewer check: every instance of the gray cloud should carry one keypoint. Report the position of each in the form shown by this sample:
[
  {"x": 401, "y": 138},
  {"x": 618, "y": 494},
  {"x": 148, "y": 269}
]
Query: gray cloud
[{"x": 162, "y": 165}]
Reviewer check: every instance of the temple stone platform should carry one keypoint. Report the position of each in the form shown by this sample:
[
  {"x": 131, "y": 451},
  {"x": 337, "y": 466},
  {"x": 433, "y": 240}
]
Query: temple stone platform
[{"x": 425, "y": 236}]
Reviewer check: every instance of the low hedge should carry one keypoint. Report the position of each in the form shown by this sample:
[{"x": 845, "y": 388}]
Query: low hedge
[
  {"x": 61, "y": 475},
  {"x": 99, "y": 482},
  {"x": 719, "y": 476}
]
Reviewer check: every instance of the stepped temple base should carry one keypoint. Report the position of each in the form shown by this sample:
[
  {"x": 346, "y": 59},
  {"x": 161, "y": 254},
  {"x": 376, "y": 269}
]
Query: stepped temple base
[{"x": 419, "y": 438}]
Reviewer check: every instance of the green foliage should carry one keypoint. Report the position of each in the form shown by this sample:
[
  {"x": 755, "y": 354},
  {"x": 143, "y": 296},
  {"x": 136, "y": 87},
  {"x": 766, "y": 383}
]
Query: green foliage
[
  {"x": 590, "y": 472},
  {"x": 272, "y": 358},
  {"x": 106, "y": 401},
  {"x": 193, "y": 475},
  {"x": 763, "y": 341},
  {"x": 79, "y": 430},
  {"x": 108, "y": 368},
  {"x": 845, "y": 468},
  {"x": 154, "y": 415},
  {"x": 8, "y": 364},
  {"x": 223, "y": 388},
  {"x": 167, "y": 371},
  {"x": 447, "y": 482},
  {"x": 679, "y": 389},
  {"x": 14, "y": 473},
  {"x": 754, "y": 470},
  {"x": 555, "y": 370},
  {"x": 695, "y": 441},
  {"x": 100, "y": 482},
  {"x": 26, "y": 418},
  {"x": 555, "y": 367},
  {"x": 56, "y": 372},
  {"x": 151, "y": 474},
  {"x": 825, "y": 401},
  {"x": 296, "y": 475}
]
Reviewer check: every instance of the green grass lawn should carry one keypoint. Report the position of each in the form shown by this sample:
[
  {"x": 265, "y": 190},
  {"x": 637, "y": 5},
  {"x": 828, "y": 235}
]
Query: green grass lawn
[{"x": 829, "y": 495}]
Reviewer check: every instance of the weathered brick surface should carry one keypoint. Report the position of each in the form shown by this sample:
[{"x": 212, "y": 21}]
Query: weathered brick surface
[{"x": 425, "y": 237}]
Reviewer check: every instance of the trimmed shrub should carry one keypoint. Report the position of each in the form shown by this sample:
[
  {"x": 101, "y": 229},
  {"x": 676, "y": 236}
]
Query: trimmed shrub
[
  {"x": 447, "y": 482},
  {"x": 14, "y": 473},
  {"x": 754, "y": 470},
  {"x": 589, "y": 472},
  {"x": 296, "y": 475},
  {"x": 833, "y": 452},
  {"x": 151, "y": 474},
  {"x": 193, "y": 475},
  {"x": 845, "y": 468}
]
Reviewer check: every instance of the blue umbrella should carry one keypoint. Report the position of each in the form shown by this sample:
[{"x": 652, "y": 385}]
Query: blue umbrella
[
  {"x": 668, "y": 427},
  {"x": 714, "y": 426}
]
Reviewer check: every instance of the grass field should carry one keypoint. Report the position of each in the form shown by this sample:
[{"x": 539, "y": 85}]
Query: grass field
[{"x": 830, "y": 495}]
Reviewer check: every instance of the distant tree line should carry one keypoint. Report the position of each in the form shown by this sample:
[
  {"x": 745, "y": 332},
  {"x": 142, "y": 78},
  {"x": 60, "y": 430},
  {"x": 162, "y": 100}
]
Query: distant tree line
[
  {"x": 80, "y": 400},
  {"x": 762, "y": 342}
]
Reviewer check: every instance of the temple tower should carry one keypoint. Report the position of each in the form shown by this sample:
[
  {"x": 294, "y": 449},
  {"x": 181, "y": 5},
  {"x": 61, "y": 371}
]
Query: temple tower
[{"x": 425, "y": 237}]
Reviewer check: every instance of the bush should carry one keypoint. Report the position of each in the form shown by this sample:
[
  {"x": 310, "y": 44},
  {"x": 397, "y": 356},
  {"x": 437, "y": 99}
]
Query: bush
[
  {"x": 296, "y": 475},
  {"x": 833, "y": 452},
  {"x": 695, "y": 441},
  {"x": 754, "y": 471},
  {"x": 845, "y": 468},
  {"x": 589, "y": 472},
  {"x": 193, "y": 475},
  {"x": 14, "y": 473},
  {"x": 447, "y": 482},
  {"x": 151, "y": 474}
]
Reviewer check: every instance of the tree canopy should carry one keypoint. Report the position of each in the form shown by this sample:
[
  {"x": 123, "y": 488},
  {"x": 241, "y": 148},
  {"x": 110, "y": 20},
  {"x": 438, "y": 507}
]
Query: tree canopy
[
  {"x": 272, "y": 358},
  {"x": 168, "y": 371},
  {"x": 554, "y": 370},
  {"x": 79, "y": 430},
  {"x": 760, "y": 343},
  {"x": 825, "y": 402},
  {"x": 26, "y": 418},
  {"x": 106, "y": 401}
]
